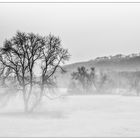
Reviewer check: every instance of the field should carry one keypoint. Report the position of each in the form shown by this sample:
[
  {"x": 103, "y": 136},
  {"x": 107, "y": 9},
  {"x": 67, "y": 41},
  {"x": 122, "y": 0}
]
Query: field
[{"x": 74, "y": 116}]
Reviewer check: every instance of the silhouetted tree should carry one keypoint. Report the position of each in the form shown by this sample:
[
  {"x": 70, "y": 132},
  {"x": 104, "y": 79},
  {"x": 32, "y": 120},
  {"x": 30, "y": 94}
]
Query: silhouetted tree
[
  {"x": 134, "y": 84},
  {"x": 101, "y": 81},
  {"x": 19, "y": 55},
  {"x": 84, "y": 78},
  {"x": 53, "y": 55}
]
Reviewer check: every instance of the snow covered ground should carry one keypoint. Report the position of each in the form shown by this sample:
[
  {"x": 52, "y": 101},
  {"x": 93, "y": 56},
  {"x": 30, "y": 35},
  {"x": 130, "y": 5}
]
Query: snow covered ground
[{"x": 75, "y": 116}]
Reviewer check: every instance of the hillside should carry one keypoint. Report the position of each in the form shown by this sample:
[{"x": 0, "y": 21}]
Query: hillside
[
  {"x": 115, "y": 63},
  {"x": 118, "y": 63}
]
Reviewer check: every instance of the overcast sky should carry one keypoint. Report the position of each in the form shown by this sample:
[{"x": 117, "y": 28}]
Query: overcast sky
[{"x": 87, "y": 30}]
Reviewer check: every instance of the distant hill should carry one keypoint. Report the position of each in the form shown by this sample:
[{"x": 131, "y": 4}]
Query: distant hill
[
  {"x": 115, "y": 63},
  {"x": 118, "y": 63}
]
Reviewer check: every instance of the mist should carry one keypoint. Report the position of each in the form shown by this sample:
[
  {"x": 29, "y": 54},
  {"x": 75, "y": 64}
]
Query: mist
[{"x": 69, "y": 70}]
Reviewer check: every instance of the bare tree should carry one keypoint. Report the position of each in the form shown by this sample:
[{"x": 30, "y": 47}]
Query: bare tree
[
  {"x": 53, "y": 55},
  {"x": 84, "y": 78},
  {"x": 18, "y": 56},
  {"x": 134, "y": 84},
  {"x": 102, "y": 78}
]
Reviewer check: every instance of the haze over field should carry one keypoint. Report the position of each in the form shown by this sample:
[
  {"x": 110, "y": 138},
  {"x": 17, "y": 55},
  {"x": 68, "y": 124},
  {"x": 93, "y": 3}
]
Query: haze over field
[
  {"x": 69, "y": 70},
  {"x": 76, "y": 116}
]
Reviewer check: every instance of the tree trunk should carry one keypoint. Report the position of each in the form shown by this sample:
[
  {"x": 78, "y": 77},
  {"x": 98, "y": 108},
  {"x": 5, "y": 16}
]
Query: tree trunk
[
  {"x": 25, "y": 101},
  {"x": 40, "y": 96},
  {"x": 31, "y": 87},
  {"x": 38, "y": 100}
]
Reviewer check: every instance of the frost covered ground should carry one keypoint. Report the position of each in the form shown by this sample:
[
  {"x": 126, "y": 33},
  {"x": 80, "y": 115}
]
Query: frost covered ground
[{"x": 75, "y": 116}]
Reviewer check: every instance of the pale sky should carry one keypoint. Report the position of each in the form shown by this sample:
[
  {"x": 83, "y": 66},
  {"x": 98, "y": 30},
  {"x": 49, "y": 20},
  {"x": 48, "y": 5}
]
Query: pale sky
[{"x": 86, "y": 30}]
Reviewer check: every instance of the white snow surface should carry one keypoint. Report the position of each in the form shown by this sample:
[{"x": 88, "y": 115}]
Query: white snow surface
[{"x": 74, "y": 116}]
